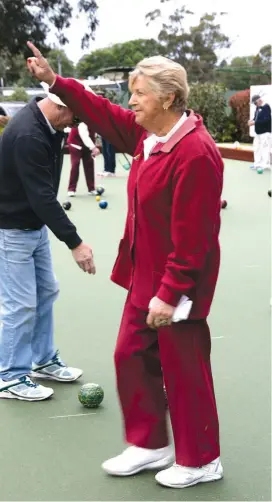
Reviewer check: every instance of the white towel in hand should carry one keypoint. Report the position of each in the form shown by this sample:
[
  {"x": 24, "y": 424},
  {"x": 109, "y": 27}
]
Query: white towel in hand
[{"x": 182, "y": 309}]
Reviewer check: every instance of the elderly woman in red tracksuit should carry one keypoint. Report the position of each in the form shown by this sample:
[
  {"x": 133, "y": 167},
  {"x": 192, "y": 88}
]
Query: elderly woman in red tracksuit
[{"x": 168, "y": 260}]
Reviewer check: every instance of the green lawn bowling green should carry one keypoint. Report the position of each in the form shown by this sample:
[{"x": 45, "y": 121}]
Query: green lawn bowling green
[{"x": 44, "y": 458}]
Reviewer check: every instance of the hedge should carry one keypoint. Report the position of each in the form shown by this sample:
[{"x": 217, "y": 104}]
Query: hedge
[{"x": 240, "y": 104}]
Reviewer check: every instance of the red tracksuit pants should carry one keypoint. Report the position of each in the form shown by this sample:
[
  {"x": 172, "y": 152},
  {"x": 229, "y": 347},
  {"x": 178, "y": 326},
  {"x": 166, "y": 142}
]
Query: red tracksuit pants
[
  {"x": 88, "y": 165},
  {"x": 178, "y": 356}
]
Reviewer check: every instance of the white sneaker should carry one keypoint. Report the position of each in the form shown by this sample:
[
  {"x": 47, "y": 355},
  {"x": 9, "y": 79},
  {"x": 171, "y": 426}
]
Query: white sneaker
[
  {"x": 24, "y": 389},
  {"x": 93, "y": 192},
  {"x": 179, "y": 476},
  {"x": 71, "y": 194},
  {"x": 56, "y": 369},
  {"x": 135, "y": 459}
]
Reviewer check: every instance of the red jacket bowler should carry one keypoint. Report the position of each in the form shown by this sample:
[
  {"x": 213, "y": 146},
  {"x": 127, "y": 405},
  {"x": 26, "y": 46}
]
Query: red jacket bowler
[{"x": 170, "y": 245}]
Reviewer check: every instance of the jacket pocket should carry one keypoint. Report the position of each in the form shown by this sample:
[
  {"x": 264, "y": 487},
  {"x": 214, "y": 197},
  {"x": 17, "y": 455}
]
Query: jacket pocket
[
  {"x": 122, "y": 268},
  {"x": 119, "y": 249}
]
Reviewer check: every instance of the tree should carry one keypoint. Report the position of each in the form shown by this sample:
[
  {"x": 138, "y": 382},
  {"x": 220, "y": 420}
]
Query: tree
[
  {"x": 17, "y": 72},
  {"x": 19, "y": 94},
  {"x": 209, "y": 101},
  {"x": 266, "y": 56},
  {"x": 236, "y": 75},
  {"x": 261, "y": 67},
  {"x": 176, "y": 42},
  {"x": 198, "y": 48},
  {"x": 58, "y": 57},
  {"x": 24, "y": 19},
  {"x": 245, "y": 71},
  {"x": 126, "y": 54},
  {"x": 207, "y": 42}
]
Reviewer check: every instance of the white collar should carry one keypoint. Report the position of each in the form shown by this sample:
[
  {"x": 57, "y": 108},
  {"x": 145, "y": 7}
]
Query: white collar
[
  {"x": 164, "y": 139},
  {"x": 52, "y": 130},
  {"x": 152, "y": 140}
]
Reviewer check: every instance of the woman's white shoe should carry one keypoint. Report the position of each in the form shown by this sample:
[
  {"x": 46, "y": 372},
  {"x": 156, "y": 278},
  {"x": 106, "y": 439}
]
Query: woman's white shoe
[
  {"x": 179, "y": 476},
  {"x": 135, "y": 459}
]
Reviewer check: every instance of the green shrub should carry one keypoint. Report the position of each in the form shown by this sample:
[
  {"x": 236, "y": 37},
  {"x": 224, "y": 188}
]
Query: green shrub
[
  {"x": 209, "y": 101},
  {"x": 228, "y": 132},
  {"x": 19, "y": 94}
]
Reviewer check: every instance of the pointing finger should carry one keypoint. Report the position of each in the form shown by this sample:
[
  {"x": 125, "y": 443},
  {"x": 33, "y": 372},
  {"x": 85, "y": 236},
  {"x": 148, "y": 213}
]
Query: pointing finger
[{"x": 34, "y": 49}]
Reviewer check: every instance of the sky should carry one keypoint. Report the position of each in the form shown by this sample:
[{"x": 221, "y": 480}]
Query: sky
[{"x": 123, "y": 20}]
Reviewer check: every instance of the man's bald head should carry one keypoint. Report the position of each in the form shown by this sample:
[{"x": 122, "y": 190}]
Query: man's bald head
[{"x": 59, "y": 116}]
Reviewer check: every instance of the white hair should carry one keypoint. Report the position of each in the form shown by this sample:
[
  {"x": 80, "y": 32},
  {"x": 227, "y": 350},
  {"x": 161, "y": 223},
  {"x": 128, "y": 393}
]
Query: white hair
[{"x": 165, "y": 77}]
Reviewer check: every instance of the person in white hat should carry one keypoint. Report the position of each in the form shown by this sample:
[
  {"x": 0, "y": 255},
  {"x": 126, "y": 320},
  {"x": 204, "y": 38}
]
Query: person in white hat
[
  {"x": 30, "y": 160},
  {"x": 262, "y": 127}
]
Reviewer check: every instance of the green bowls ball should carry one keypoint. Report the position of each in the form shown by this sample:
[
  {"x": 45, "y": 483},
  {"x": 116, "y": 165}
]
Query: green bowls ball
[
  {"x": 126, "y": 167},
  {"x": 91, "y": 395}
]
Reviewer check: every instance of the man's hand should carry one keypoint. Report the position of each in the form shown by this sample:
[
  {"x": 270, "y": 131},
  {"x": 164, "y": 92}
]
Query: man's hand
[
  {"x": 251, "y": 123},
  {"x": 84, "y": 258},
  {"x": 95, "y": 152},
  {"x": 160, "y": 314},
  {"x": 4, "y": 120},
  {"x": 39, "y": 67}
]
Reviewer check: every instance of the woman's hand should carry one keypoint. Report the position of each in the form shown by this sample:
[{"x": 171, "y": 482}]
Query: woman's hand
[
  {"x": 39, "y": 66},
  {"x": 95, "y": 152},
  {"x": 160, "y": 314}
]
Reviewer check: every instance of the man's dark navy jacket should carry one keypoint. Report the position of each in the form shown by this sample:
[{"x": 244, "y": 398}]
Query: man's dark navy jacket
[
  {"x": 30, "y": 167},
  {"x": 262, "y": 119}
]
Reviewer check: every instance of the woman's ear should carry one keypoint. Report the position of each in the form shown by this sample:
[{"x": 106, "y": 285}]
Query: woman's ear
[{"x": 167, "y": 103}]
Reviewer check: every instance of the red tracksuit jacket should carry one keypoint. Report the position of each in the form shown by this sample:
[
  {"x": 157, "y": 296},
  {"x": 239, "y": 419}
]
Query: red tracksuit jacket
[{"x": 170, "y": 245}]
